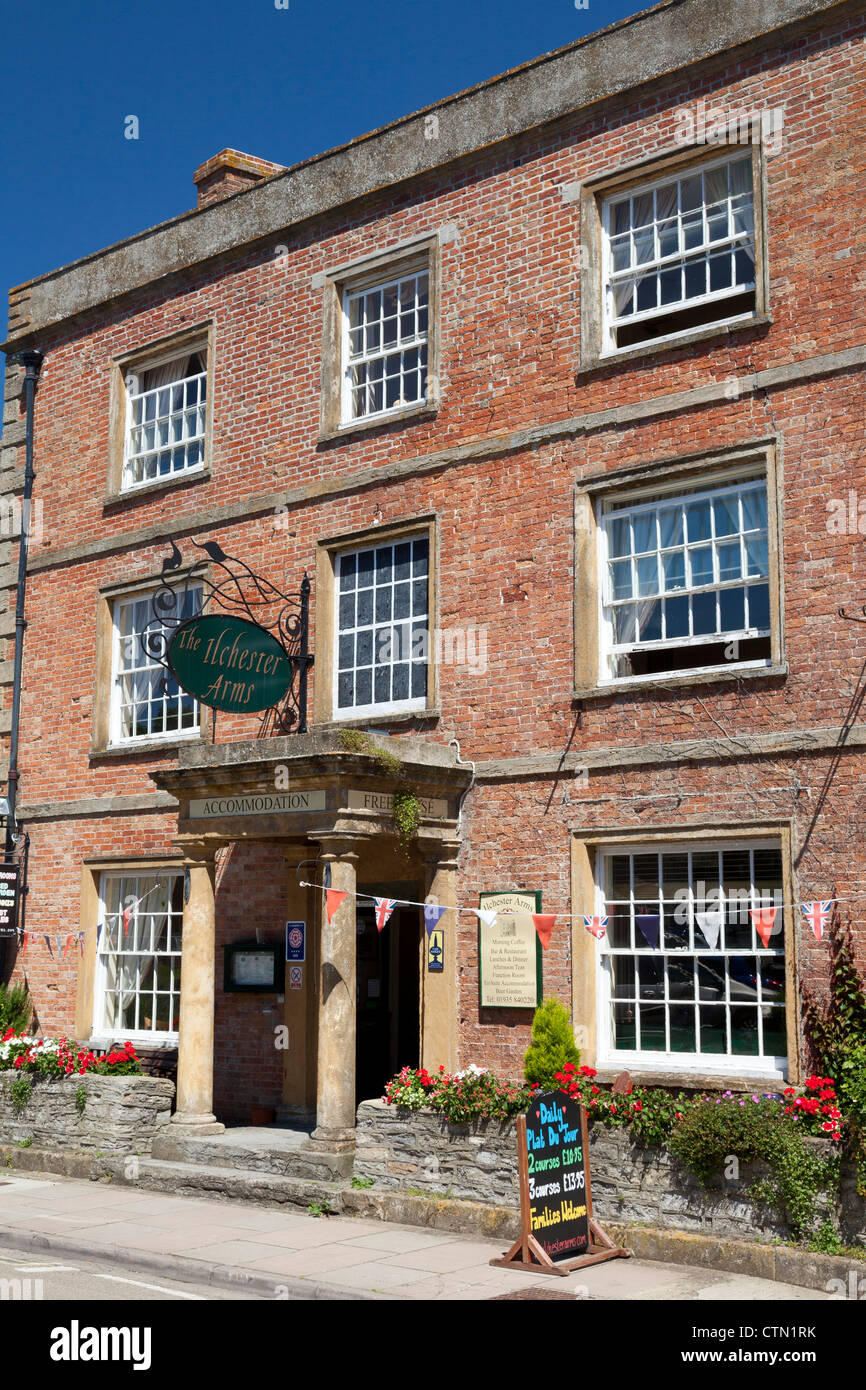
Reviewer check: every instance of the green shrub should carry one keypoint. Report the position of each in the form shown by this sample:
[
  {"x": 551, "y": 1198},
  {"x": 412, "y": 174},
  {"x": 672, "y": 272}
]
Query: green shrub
[
  {"x": 16, "y": 1008},
  {"x": 711, "y": 1131},
  {"x": 552, "y": 1046},
  {"x": 20, "y": 1092},
  {"x": 837, "y": 1032}
]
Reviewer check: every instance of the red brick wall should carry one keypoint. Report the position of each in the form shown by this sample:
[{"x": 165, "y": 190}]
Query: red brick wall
[{"x": 510, "y": 349}]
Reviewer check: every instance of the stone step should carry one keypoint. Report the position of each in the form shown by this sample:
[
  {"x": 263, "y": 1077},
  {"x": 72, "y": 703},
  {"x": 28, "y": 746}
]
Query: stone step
[
  {"x": 234, "y": 1184},
  {"x": 278, "y": 1151}
]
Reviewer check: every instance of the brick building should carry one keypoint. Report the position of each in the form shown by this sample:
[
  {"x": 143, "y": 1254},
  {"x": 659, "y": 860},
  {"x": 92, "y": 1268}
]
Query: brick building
[{"x": 567, "y": 370}]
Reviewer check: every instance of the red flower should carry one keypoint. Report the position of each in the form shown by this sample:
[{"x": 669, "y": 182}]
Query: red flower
[{"x": 636, "y": 1105}]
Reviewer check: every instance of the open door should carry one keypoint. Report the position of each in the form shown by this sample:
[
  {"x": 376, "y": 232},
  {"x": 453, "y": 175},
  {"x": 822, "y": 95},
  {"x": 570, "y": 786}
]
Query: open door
[{"x": 388, "y": 998}]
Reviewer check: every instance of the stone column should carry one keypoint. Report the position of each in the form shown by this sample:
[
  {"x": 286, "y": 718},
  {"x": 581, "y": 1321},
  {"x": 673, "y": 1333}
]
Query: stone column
[
  {"x": 439, "y": 989},
  {"x": 335, "y": 1091},
  {"x": 194, "y": 1115}
]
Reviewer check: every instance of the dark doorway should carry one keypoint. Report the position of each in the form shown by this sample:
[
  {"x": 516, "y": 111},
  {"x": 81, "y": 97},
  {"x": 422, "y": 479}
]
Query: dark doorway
[{"x": 388, "y": 996}]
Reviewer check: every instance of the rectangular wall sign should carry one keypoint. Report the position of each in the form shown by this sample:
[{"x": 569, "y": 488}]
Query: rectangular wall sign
[
  {"x": 257, "y": 804},
  {"x": 431, "y": 807},
  {"x": 509, "y": 952},
  {"x": 296, "y": 941}
]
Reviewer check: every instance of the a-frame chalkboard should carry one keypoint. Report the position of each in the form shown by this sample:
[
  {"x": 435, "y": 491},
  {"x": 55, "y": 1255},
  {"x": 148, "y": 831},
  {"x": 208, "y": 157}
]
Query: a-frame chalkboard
[{"x": 558, "y": 1232}]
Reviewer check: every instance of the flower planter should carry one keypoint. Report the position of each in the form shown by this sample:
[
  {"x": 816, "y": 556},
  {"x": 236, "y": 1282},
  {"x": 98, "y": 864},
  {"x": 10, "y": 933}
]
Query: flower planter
[
  {"x": 404, "y": 1149},
  {"x": 120, "y": 1114}
]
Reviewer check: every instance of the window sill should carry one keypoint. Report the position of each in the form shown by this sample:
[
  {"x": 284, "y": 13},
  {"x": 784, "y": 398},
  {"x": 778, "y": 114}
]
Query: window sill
[
  {"x": 691, "y": 1081},
  {"x": 194, "y": 475},
  {"x": 378, "y": 721},
  {"x": 600, "y": 361},
  {"x": 103, "y": 1041},
  {"x": 150, "y": 745},
  {"x": 427, "y": 410},
  {"x": 665, "y": 681}
]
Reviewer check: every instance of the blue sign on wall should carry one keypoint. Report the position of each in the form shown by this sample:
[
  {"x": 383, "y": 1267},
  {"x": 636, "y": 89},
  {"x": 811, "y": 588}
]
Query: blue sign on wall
[{"x": 296, "y": 941}]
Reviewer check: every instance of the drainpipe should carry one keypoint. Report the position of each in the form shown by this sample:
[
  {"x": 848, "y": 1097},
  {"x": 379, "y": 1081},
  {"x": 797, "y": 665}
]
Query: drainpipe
[{"x": 32, "y": 362}]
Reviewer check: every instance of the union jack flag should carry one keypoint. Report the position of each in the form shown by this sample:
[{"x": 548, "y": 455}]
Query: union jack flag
[
  {"x": 597, "y": 925},
  {"x": 384, "y": 908},
  {"x": 818, "y": 916}
]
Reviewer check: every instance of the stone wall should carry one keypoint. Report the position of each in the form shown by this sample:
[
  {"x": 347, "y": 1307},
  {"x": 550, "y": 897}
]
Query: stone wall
[
  {"x": 401, "y": 1149},
  {"x": 121, "y": 1113}
]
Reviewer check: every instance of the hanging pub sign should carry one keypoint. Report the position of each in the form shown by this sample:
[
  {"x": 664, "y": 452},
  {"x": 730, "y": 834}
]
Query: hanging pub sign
[
  {"x": 558, "y": 1232},
  {"x": 229, "y": 663},
  {"x": 249, "y": 662},
  {"x": 10, "y": 896},
  {"x": 509, "y": 952}
]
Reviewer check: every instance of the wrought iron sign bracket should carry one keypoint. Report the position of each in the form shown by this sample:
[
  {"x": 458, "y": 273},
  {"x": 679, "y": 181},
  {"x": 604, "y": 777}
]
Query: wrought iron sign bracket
[{"x": 230, "y": 587}]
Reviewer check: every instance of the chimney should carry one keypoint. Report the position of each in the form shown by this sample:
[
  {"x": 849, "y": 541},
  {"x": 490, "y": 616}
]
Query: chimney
[{"x": 229, "y": 172}]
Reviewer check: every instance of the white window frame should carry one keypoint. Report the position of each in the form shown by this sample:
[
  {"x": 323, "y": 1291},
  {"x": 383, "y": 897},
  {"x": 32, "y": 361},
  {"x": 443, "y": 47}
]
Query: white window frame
[
  {"x": 773, "y": 1068},
  {"x": 380, "y": 281},
  {"x": 609, "y": 321},
  {"x": 116, "y": 738},
  {"x": 132, "y": 392},
  {"x": 415, "y": 703},
  {"x": 650, "y": 499},
  {"x": 100, "y": 1027}
]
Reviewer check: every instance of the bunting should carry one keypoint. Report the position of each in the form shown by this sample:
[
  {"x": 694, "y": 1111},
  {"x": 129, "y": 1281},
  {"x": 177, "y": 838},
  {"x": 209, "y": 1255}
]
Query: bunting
[
  {"x": 333, "y": 898},
  {"x": 384, "y": 908},
  {"x": 650, "y": 925},
  {"x": 69, "y": 940},
  {"x": 596, "y": 925},
  {"x": 544, "y": 924},
  {"x": 818, "y": 916},
  {"x": 763, "y": 918},
  {"x": 487, "y": 915},
  {"x": 432, "y": 915},
  {"x": 710, "y": 921}
]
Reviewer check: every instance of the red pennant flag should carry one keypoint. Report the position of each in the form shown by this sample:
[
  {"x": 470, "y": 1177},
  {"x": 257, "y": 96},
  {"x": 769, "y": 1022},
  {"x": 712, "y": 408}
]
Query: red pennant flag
[
  {"x": 68, "y": 942},
  {"x": 24, "y": 943},
  {"x": 333, "y": 898},
  {"x": 127, "y": 913},
  {"x": 544, "y": 924},
  {"x": 763, "y": 918}
]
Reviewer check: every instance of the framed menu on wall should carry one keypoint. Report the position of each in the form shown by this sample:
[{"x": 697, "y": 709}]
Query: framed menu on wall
[{"x": 509, "y": 952}]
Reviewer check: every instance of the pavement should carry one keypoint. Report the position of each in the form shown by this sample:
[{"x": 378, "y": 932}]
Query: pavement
[{"x": 265, "y": 1252}]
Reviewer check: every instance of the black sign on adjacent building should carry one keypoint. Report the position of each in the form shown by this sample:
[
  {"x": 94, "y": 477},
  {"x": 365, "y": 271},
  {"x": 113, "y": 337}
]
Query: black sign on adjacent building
[
  {"x": 557, "y": 1230},
  {"x": 10, "y": 897}
]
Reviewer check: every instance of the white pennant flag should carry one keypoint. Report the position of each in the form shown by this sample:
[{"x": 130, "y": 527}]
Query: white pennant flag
[
  {"x": 487, "y": 915},
  {"x": 710, "y": 922}
]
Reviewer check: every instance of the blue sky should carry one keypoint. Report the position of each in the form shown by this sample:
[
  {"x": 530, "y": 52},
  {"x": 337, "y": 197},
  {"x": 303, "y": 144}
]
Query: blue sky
[{"x": 279, "y": 83}]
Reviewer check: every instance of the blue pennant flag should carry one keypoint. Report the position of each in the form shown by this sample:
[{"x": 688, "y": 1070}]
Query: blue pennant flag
[
  {"x": 649, "y": 923},
  {"x": 432, "y": 914}
]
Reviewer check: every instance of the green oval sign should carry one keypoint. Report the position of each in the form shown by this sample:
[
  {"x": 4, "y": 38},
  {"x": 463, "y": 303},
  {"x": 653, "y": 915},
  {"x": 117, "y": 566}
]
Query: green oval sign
[{"x": 229, "y": 664}]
